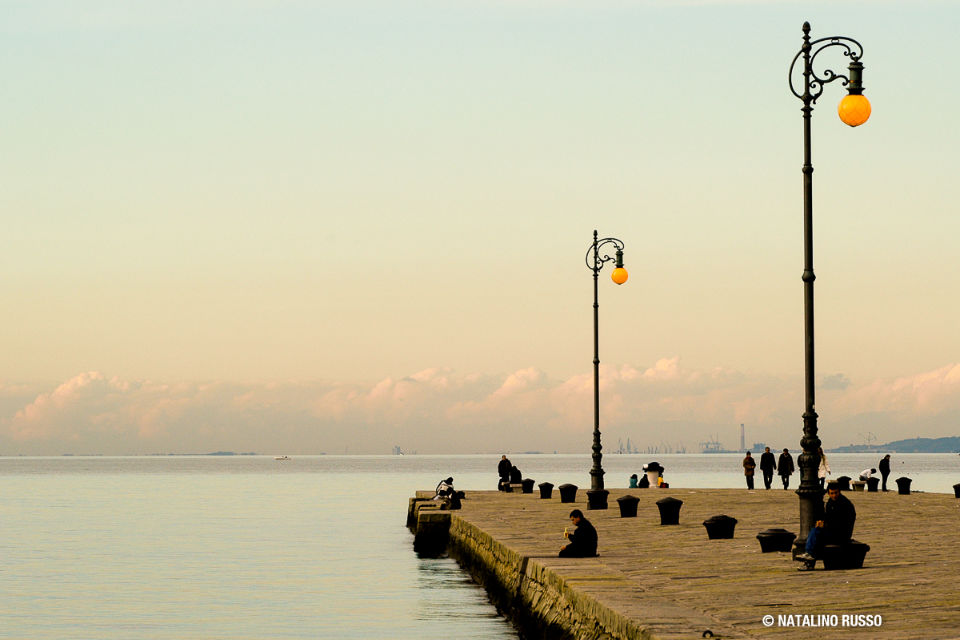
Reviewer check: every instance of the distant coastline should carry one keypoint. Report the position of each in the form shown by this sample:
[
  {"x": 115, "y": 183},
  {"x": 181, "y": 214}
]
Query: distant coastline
[{"x": 912, "y": 445}]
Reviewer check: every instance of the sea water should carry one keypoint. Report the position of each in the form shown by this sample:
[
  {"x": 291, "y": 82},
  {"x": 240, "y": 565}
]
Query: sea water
[{"x": 180, "y": 547}]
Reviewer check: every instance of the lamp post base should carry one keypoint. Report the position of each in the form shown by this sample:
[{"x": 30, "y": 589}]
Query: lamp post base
[{"x": 597, "y": 499}]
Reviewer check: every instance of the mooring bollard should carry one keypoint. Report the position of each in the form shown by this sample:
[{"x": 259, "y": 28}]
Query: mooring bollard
[
  {"x": 597, "y": 498},
  {"x": 873, "y": 484},
  {"x": 844, "y": 482},
  {"x": 528, "y": 485},
  {"x": 956, "y": 490},
  {"x": 546, "y": 490},
  {"x": 669, "y": 510},
  {"x": 903, "y": 485},
  {"x": 776, "y": 540},
  {"x": 568, "y": 492},
  {"x": 720, "y": 527},
  {"x": 628, "y": 506},
  {"x": 849, "y": 555}
]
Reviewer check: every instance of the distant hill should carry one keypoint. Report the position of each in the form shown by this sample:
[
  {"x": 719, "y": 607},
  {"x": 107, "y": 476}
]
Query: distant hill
[{"x": 913, "y": 445}]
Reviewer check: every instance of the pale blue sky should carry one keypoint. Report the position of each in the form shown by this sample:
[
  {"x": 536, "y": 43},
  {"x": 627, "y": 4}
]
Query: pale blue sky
[{"x": 341, "y": 193}]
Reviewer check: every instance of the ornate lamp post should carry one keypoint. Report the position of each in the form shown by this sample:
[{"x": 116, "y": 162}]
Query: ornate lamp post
[
  {"x": 597, "y": 496},
  {"x": 854, "y": 110}
]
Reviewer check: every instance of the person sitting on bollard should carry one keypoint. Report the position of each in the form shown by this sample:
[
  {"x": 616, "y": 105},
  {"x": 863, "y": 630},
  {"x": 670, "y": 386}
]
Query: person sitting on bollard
[
  {"x": 503, "y": 470},
  {"x": 785, "y": 467},
  {"x": 633, "y": 481},
  {"x": 836, "y": 527},
  {"x": 583, "y": 541},
  {"x": 866, "y": 474}
]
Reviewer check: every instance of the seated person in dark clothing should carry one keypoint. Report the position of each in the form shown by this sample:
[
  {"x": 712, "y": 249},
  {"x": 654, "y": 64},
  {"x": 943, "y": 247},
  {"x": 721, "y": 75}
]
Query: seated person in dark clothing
[
  {"x": 836, "y": 527},
  {"x": 583, "y": 541},
  {"x": 515, "y": 476}
]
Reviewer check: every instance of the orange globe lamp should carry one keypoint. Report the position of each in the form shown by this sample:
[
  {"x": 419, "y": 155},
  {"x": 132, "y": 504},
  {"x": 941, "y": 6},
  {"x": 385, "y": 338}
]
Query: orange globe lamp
[
  {"x": 854, "y": 109},
  {"x": 619, "y": 275}
]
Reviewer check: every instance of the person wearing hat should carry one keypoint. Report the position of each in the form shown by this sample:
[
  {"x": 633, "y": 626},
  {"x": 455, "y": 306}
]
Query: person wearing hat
[
  {"x": 836, "y": 527},
  {"x": 785, "y": 467}
]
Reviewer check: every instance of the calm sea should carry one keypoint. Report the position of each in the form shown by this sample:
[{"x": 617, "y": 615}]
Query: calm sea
[{"x": 251, "y": 547}]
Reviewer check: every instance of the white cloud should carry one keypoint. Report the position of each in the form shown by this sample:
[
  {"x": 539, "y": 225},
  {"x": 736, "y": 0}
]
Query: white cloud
[{"x": 440, "y": 410}]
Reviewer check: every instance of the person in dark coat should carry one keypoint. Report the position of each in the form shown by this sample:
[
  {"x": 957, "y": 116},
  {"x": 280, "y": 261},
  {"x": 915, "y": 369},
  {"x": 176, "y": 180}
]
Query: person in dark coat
[
  {"x": 836, "y": 527},
  {"x": 583, "y": 541},
  {"x": 884, "y": 467},
  {"x": 515, "y": 476},
  {"x": 767, "y": 465},
  {"x": 503, "y": 470},
  {"x": 749, "y": 464},
  {"x": 785, "y": 467}
]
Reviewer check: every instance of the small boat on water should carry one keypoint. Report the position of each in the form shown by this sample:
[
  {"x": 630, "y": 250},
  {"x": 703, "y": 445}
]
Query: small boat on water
[{"x": 281, "y": 458}]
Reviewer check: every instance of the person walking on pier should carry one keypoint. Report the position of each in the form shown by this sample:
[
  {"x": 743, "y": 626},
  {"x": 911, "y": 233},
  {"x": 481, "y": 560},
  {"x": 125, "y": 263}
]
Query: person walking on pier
[
  {"x": 767, "y": 465},
  {"x": 884, "y": 466},
  {"x": 824, "y": 469},
  {"x": 749, "y": 464},
  {"x": 836, "y": 527},
  {"x": 785, "y": 467},
  {"x": 583, "y": 541}
]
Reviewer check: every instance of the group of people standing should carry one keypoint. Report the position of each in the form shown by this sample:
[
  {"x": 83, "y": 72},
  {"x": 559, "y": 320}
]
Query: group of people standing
[
  {"x": 768, "y": 464},
  {"x": 785, "y": 468}
]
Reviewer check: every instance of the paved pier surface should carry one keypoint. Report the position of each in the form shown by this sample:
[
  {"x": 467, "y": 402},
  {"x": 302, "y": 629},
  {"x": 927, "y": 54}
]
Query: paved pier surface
[{"x": 675, "y": 583}]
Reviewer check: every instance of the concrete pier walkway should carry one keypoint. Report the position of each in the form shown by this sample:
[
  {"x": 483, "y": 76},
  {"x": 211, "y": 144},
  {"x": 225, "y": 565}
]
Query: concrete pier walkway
[{"x": 654, "y": 581}]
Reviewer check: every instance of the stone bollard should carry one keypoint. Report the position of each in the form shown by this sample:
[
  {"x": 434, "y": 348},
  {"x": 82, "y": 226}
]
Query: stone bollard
[
  {"x": 720, "y": 527},
  {"x": 546, "y": 490},
  {"x": 903, "y": 485},
  {"x": 669, "y": 510},
  {"x": 776, "y": 540},
  {"x": 628, "y": 506},
  {"x": 956, "y": 490},
  {"x": 873, "y": 485},
  {"x": 844, "y": 482},
  {"x": 858, "y": 485},
  {"x": 597, "y": 498},
  {"x": 528, "y": 485},
  {"x": 568, "y": 492}
]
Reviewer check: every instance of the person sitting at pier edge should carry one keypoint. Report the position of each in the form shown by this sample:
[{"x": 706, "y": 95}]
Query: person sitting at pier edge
[
  {"x": 644, "y": 480},
  {"x": 583, "y": 541},
  {"x": 767, "y": 465},
  {"x": 749, "y": 464},
  {"x": 443, "y": 487},
  {"x": 866, "y": 474},
  {"x": 785, "y": 467},
  {"x": 503, "y": 470},
  {"x": 515, "y": 476},
  {"x": 633, "y": 481},
  {"x": 884, "y": 469},
  {"x": 836, "y": 527}
]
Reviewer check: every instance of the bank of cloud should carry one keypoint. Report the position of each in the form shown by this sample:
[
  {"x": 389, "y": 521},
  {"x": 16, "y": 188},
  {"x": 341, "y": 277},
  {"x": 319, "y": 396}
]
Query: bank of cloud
[{"x": 441, "y": 410}]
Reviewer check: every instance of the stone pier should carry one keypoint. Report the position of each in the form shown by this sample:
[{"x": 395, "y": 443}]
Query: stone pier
[{"x": 654, "y": 581}]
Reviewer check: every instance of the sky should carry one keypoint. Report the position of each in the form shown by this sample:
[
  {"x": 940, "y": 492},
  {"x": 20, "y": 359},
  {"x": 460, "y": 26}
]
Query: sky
[{"x": 293, "y": 226}]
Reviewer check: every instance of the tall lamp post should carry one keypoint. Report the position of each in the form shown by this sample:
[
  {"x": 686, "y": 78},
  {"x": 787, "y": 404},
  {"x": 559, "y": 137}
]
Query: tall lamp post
[
  {"x": 597, "y": 496},
  {"x": 853, "y": 110}
]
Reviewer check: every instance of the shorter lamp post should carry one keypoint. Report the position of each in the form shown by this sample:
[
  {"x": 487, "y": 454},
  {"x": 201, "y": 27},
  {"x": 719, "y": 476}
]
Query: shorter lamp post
[
  {"x": 597, "y": 496},
  {"x": 853, "y": 110}
]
